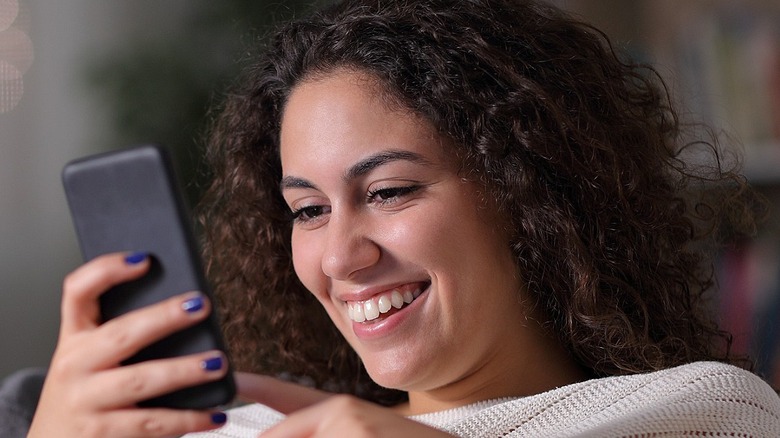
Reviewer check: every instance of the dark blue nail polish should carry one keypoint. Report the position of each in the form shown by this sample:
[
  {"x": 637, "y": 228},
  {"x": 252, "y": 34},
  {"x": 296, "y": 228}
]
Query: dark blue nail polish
[
  {"x": 135, "y": 258},
  {"x": 213, "y": 364},
  {"x": 218, "y": 418},
  {"x": 193, "y": 304}
]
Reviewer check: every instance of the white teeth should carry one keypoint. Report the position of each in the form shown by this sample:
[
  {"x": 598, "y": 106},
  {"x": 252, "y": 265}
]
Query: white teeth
[
  {"x": 384, "y": 304},
  {"x": 396, "y": 299},
  {"x": 358, "y": 314},
  {"x": 371, "y": 310}
]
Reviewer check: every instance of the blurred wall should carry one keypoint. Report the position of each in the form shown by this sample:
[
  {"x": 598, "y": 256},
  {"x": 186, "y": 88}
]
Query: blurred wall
[
  {"x": 54, "y": 121},
  {"x": 104, "y": 74}
]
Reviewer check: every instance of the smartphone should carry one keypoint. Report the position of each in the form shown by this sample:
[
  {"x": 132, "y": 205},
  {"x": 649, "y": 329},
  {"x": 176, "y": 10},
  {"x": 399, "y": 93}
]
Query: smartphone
[{"x": 129, "y": 200}]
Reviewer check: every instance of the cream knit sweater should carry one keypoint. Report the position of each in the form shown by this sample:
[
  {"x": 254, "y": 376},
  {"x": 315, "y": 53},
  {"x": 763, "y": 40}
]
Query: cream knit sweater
[{"x": 703, "y": 399}]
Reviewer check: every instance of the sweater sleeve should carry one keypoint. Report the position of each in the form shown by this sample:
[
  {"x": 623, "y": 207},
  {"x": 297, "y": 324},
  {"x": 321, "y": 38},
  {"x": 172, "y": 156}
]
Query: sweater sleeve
[
  {"x": 19, "y": 393},
  {"x": 704, "y": 399},
  {"x": 700, "y": 399}
]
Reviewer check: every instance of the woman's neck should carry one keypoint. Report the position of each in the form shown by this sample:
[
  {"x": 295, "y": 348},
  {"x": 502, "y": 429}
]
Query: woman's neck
[{"x": 533, "y": 367}]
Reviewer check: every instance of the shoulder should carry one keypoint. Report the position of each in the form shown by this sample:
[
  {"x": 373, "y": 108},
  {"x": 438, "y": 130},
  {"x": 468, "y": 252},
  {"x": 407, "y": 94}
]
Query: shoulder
[
  {"x": 711, "y": 387},
  {"x": 702, "y": 379},
  {"x": 703, "y": 398},
  {"x": 245, "y": 421}
]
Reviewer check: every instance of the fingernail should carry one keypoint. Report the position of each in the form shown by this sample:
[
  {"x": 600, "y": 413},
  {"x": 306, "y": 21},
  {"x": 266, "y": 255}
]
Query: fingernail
[
  {"x": 135, "y": 258},
  {"x": 212, "y": 364},
  {"x": 218, "y": 418},
  {"x": 193, "y": 304}
]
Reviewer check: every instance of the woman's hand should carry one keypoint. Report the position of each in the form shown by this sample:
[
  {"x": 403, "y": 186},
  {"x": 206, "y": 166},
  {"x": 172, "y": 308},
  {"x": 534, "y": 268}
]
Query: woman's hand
[
  {"x": 87, "y": 393},
  {"x": 313, "y": 413}
]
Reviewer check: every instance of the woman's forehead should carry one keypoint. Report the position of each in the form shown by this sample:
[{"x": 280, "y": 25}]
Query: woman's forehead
[{"x": 343, "y": 114}]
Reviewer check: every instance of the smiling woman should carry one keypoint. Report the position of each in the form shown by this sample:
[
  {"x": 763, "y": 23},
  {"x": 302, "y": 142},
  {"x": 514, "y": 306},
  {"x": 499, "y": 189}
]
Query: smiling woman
[
  {"x": 466, "y": 217},
  {"x": 385, "y": 210},
  {"x": 485, "y": 200}
]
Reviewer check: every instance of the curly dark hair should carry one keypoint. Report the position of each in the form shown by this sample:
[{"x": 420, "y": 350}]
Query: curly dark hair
[{"x": 579, "y": 149}]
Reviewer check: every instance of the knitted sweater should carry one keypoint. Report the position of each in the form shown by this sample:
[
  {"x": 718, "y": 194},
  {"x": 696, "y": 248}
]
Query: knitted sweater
[{"x": 700, "y": 399}]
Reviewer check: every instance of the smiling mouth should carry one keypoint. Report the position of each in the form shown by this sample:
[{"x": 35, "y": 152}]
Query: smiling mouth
[{"x": 384, "y": 304}]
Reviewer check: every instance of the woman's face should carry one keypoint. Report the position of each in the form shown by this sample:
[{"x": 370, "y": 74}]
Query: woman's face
[{"x": 411, "y": 267}]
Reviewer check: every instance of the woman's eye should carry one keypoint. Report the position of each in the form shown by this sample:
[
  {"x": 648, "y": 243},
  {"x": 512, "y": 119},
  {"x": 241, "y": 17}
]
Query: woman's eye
[
  {"x": 305, "y": 214},
  {"x": 390, "y": 194}
]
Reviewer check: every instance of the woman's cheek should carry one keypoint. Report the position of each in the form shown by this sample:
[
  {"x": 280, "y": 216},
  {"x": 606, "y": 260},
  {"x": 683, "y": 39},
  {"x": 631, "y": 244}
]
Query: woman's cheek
[
  {"x": 419, "y": 235},
  {"x": 307, "y": 264}
]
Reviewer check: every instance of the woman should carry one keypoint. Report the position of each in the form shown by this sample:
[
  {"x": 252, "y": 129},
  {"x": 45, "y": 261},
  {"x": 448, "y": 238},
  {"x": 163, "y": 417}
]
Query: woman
[{"x": 492, "y": 211}]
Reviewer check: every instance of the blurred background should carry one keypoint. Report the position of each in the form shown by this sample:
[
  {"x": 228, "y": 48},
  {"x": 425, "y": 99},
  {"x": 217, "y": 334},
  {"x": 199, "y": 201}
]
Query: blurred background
[{"x": 84, "y": 76}]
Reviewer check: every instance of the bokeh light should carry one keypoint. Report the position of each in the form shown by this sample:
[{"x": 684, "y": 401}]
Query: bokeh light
[
  {"x": 11, "y": 86},
  {"x": 9, "y": 10},
  {"x": 16, "y": 56}
]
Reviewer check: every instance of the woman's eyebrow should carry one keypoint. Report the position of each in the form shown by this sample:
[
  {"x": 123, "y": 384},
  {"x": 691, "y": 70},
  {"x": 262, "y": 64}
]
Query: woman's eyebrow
[
  {"x": 360, "y": 168},
  {"x": 370, "y": 163},
  {"x": 293, "y": 182}
]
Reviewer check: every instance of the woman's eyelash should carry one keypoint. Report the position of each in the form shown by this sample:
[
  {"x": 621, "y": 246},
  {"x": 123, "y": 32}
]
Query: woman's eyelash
[
  {"x": 381, "y": 196},
  {"x": 389, "y": 193},
  {"x": 304, "y": 214}
]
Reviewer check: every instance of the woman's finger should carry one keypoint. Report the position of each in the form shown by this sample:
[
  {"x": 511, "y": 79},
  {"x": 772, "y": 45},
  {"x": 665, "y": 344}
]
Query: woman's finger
[
  {"x": 128, "y": 385},
  {"x": 82, "y": 287},
  {"x": 145, "y": 423},
  {"x": 282, "y": 396},
  {"x": 125, "y": 335},
  {"x": 164, "y": 422}
]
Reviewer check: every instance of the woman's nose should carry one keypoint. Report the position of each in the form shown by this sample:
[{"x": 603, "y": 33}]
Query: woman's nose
[{"x": 348, "y": 249}]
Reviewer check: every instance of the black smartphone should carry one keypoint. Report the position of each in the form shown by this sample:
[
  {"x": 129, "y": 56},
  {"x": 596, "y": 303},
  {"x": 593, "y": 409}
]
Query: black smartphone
[{"x": 129, "y": 200}]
